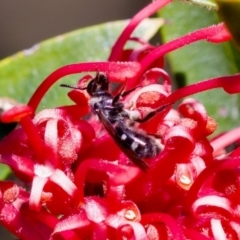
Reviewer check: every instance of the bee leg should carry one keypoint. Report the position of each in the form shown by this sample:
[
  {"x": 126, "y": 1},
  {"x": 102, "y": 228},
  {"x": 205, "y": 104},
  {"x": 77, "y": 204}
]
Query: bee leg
[
  {"x": 151, "y": 114},
  {"x": 123, "y": 93}
]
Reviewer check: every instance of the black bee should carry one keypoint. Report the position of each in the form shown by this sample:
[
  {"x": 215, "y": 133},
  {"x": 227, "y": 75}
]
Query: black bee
[{"x": 119, "y": 122}]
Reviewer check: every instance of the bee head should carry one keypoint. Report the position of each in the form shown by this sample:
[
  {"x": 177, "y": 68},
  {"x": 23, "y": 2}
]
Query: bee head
[{"x": 98, "y": 84}]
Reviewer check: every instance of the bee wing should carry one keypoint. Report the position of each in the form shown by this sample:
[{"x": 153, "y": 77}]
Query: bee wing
[{"x": 121, "y": 143}]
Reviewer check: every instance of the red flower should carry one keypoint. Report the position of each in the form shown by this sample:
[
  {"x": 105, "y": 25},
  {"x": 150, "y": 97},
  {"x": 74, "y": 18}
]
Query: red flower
[{"x": 83, "y": 184}]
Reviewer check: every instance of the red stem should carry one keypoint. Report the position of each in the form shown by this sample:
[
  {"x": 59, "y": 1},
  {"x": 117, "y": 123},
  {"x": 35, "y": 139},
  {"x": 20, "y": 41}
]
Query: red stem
[
  {"x": 140, "y": 16},
  {"x": 209, "y": 33},
  {"x": 231, "y": 84},
  {"x": 61, "y": 72},
  {"x": 34, "y": 138},
  {"x": 117, "y": 71},
  {"x": 225, "y": 140}
]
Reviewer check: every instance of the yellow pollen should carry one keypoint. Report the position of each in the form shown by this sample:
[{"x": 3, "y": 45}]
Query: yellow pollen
[
  {"x": 185, "y": 180},
  {"x": 130, "y": 214}
]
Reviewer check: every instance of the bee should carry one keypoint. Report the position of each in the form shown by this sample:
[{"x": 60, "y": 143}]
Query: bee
[{"x": 119, "y": 122}]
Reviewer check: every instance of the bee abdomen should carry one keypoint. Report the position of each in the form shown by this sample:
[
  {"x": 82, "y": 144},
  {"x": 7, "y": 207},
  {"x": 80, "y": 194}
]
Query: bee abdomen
[
  {"x": 149, "y": 150},
  {"x": 144, "y": 146}
]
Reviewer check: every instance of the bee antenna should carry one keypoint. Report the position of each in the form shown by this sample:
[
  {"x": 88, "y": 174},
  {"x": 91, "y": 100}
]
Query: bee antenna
[{"x": 73, "y": 87}]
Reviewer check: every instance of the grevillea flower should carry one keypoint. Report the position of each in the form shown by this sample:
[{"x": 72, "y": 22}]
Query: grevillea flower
[{"x": 80, "y": 185}]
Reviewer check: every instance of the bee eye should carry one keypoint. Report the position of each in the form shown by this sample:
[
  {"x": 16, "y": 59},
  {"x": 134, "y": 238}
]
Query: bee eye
[
  {"x": 92, "y": 86},
  {"x": 103, "y": 82}
]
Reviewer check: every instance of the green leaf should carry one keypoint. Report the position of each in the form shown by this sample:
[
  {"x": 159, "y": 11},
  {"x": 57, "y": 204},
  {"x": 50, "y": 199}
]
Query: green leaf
[
  {"x": 202, "y": 60},
  {"x": 4, "y": 171},
  {"x": 22, "y": 73}
]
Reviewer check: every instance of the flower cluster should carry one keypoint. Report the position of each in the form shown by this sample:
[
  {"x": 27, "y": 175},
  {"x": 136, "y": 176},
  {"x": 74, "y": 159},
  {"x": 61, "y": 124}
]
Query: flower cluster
[{"x": 78, "y": 184}]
